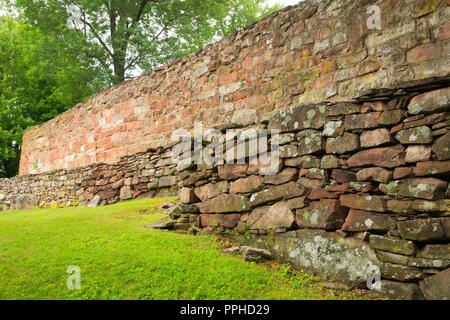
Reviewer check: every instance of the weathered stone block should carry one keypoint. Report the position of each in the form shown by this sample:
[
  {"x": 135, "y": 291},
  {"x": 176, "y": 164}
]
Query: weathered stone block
[
  {"x": 316, "y": 194},
  {"x": 400, "y": 206},
  {"x": 288, "y": 151},
  {"x": 361, "y": 121},
  {"x": 364, "y": 202},
  {"x": 126, "y": 193},
  {"x": 428, "y": 263},
  {"x": 194, "y": 177},
  {"x": 311, "y": 183},
  {"x": 432, "y": 206},
  {"x": 314, "y": 173},
  {"x": 400, "y": 290},
  {"x": 286, "y": 191},
  {"x": 273, "y": 217},
  {"x": 332, "y": 129},
  {"x": 24, "y": 202},
  {"x": 422, "y": 188},
  {"x": 387, "y": 157},
  {"x": 187, "y": 195},
  {"x": 303, "y": 162},
  {"x": 232, "y": 171},
  {"x": 247, "y": 185},
  {"x": 343, "y": 175},
  {"x": 343, "y": 108},
  {"x": 296, "y": 203},
  {"x": 374, "y": 174},
  {"x": 326, "y": 214},
  {"x": 389, "y": 257},
  {"x": 329, "y": 162},
  {"x": 435, "y": 251},
  {"x": 433, "y": 101},
  {"x": 400, "y": 273},
  {"x": 375, "y": 138},
  {"x": 432, "y": 168},
  {"x": 437, "y": 287},
  {"x": 310, "y": 141},
  {"x": 388, "y": 118},
  {"x": 299, "y": 118},
  {"x": 212, "y": 190},
  {"x": 219, "y": 220},
  {"x": 441, "y": 147},
  {"x": 346, "y": 143},
  {"x": 225, "y": 203},
  {"x": 393, "y": 245},
  {"x": 433, "y": 229},
  {"x": 167, "y": 181},
  {"x": 284, "y": 176},
  {"x": 418, "y": 153},
  {"x": 359, "y": 220},
  {"x": 402, "y": 172},
  {"x": 416, "y": 135},
  {"x": 347, "y": 260}
]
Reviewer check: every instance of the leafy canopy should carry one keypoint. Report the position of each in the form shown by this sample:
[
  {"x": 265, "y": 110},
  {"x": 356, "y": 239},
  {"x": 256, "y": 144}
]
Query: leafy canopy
[
  {"x": 127, "y": 36},
  {"x": 62, "y": 51},
  {"x": 39, "y": 79}
]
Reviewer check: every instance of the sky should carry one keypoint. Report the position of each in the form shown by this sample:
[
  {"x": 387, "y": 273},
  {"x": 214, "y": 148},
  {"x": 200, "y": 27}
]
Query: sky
[{"x": 284, "y": 3}]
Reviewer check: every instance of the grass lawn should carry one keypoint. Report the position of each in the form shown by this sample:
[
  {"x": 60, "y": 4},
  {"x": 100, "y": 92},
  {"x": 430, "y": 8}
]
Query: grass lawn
[{"x": 119, "y": 259}]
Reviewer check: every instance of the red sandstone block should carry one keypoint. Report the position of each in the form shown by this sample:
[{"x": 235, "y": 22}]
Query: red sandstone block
[
  {"x": 316, "y": 194},
  {"x": 220, "y": 220},
  {"x": 364, "y": 202},
  {"x": 402, "y": 172},
  {"x": 359, "y": 220},
  {"x": 326, "y": 214},
  {"x": 445, "y": 31},
  {"x": 424, "y": 53}
]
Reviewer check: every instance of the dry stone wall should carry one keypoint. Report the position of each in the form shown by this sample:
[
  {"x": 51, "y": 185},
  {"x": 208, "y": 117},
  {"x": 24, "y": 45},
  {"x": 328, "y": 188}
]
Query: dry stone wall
[
  {"x": 142, "y": 175},
  {"x": 320, "y": 50},
  {"x": 361, "y": 188}
]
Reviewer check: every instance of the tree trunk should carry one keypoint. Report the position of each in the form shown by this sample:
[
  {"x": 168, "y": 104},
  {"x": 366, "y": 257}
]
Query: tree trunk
[{"x": 119, "y": 70}]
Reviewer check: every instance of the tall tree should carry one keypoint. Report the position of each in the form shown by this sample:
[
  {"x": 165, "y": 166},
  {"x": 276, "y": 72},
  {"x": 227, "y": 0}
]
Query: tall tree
[
  {"x": 39, "y": 79},
  {"x": 127, "y": 36},
  {"x": 62, "y": 51}
]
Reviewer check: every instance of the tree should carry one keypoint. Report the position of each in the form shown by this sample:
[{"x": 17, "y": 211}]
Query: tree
[
  {"x": 62, "y": 51},
  {"x": 127, "y": 36},
  {"x": 39, "y": 79}
]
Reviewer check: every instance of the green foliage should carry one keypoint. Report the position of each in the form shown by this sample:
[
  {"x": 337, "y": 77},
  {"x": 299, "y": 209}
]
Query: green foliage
[
  {"x": 127, "y": 36},
  {"x": 298, "y": 279},
  {"x": 119, "y": 259},
  {"x": 39, "y": 79},
  {"x": 65, "y": 50}
]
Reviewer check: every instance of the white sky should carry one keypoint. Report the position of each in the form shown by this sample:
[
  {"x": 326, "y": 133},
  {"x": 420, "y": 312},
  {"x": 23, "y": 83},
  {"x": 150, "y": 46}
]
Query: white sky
[{"x": 284, "y": 3}]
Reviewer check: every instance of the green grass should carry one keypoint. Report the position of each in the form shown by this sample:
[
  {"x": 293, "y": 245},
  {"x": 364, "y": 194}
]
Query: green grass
[{"x": 119, "y": 259}]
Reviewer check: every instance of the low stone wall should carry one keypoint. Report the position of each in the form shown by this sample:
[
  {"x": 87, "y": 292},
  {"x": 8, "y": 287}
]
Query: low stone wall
[
  {"x": 362, "y": 189},
  {"x": 141, "y": 175}
]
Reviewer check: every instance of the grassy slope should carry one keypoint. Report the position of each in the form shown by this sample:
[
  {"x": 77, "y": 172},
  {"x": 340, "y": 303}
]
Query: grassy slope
[{"x": 121, "y": 260}]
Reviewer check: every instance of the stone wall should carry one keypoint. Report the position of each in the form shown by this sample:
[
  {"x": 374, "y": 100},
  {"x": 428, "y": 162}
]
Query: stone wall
[
  {"x": 361, "y": 188},
  {"x": 362, "y": 183},
  {"x": 319, "y": 50},
  {"x": 146, "y": 174}
]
